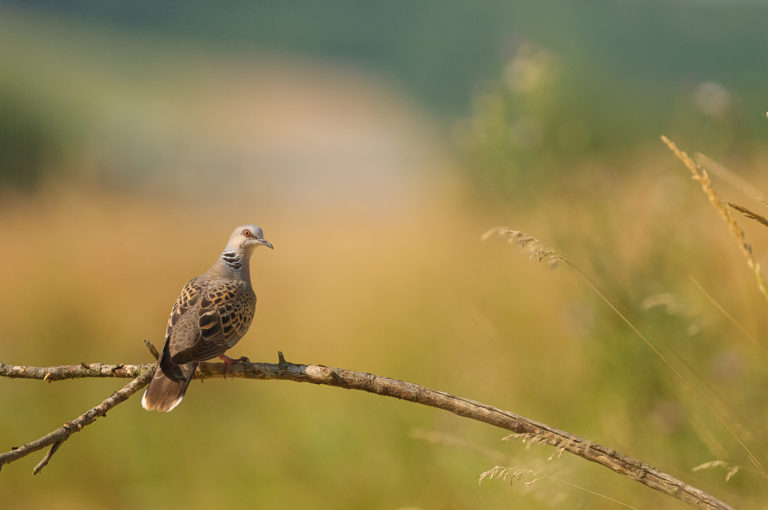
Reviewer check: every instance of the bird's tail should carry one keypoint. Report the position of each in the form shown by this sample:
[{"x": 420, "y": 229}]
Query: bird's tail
[{"x": 164, "y": 393}]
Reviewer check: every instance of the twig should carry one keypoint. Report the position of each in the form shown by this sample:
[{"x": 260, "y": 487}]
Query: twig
[
  {"x": 40, "y": 465},
  {"x": 61, "y": 434},
  {"x": 349, "y": 379},
  {"x": 152, "y": 349}
]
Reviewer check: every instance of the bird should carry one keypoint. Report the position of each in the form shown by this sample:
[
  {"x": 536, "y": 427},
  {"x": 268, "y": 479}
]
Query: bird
[{"x": 212, "y": 313}]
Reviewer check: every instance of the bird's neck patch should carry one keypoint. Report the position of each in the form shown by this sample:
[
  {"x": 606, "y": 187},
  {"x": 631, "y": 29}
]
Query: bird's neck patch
[{"x": 232, "y": 259}]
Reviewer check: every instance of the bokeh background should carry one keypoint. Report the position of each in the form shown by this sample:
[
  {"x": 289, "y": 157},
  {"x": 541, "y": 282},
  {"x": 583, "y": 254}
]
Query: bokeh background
[{"x": 375, "y": 142}]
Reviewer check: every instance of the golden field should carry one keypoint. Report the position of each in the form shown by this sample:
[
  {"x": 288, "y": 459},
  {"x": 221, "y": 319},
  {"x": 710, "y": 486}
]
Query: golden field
[{"x": 410, "y": 293}]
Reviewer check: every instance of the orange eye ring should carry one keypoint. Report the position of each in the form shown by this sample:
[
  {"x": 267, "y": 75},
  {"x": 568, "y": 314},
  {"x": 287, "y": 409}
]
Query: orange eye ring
[{"x": 247, "y": 233}]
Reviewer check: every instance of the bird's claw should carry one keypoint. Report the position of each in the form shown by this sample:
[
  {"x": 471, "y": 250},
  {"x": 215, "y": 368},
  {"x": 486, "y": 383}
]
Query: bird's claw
[{"x": 229, "y": 361}]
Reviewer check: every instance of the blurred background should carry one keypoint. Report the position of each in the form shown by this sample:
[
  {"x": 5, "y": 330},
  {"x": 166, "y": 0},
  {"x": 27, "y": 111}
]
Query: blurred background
[{"x": 375, "y": 142}]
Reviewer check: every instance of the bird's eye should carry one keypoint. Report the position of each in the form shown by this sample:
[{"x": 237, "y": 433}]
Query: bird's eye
[{"x": 247, "y": 233}]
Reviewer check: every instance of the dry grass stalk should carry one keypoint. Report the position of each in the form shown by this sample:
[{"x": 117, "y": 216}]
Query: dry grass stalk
[
  {"x": 749, "y": 214},
  {"x": 731, "y": 178},
  {"x": 445, "y": 439},
  {"x": 730, "y": 469},
  {"x": 535, "y": 248},
  {"x": 511, "y": 474},
  {"x": 749, "y": 336},
  {"x": 700, "y": 175}
]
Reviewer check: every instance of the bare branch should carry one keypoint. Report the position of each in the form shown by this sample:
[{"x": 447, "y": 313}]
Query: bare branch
[
  {"x": 61, "y": 372},
  {"x": 630, "y": 467},
  {"x": 61, "y": 434}
]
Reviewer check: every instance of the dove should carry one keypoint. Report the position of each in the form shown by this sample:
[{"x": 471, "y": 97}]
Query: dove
[{"x": 212, "y": 313}]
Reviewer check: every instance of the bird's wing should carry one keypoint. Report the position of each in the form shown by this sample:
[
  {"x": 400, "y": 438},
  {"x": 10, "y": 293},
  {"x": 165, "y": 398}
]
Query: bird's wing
[
  {"x": 219, "y": 318},
  {"x": 186, "y": 302}
]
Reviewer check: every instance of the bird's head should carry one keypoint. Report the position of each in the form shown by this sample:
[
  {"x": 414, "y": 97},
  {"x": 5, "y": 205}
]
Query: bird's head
[{"x": 247, "y": 237}]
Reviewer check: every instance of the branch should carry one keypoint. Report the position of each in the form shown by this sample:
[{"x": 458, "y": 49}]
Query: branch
[
  {"x": 61, "y": 434},
  {"x": 320, "y": 374}
]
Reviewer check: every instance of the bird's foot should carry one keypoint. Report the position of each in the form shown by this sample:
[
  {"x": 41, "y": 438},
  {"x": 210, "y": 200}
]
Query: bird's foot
[{"x": 229, "y": 361}]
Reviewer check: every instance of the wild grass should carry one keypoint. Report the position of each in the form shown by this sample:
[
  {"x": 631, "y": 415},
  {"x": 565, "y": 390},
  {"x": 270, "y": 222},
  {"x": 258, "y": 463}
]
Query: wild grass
[
  {"x": 732, "y": 178},
  {"x": 701, "y": 175},
  {"x": 528, "y": 478},
  {"x": 535, "y": 248},
  {"x": 749, "y": 214},
  {"x": 692, "y": 381},
  {"x": 738, "y": 325},
  {"x": 730, "y": 469}
]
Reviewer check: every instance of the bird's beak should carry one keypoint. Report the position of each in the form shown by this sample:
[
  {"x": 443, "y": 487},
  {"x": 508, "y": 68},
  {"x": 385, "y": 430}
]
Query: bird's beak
[{"x": 266, "y": 243}]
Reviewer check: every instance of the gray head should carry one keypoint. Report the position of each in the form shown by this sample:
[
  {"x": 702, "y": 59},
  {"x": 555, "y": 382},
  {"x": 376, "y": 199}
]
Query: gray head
[
  {"x": 245, "y": 238},
  {"x": 239, "y": 248}
]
